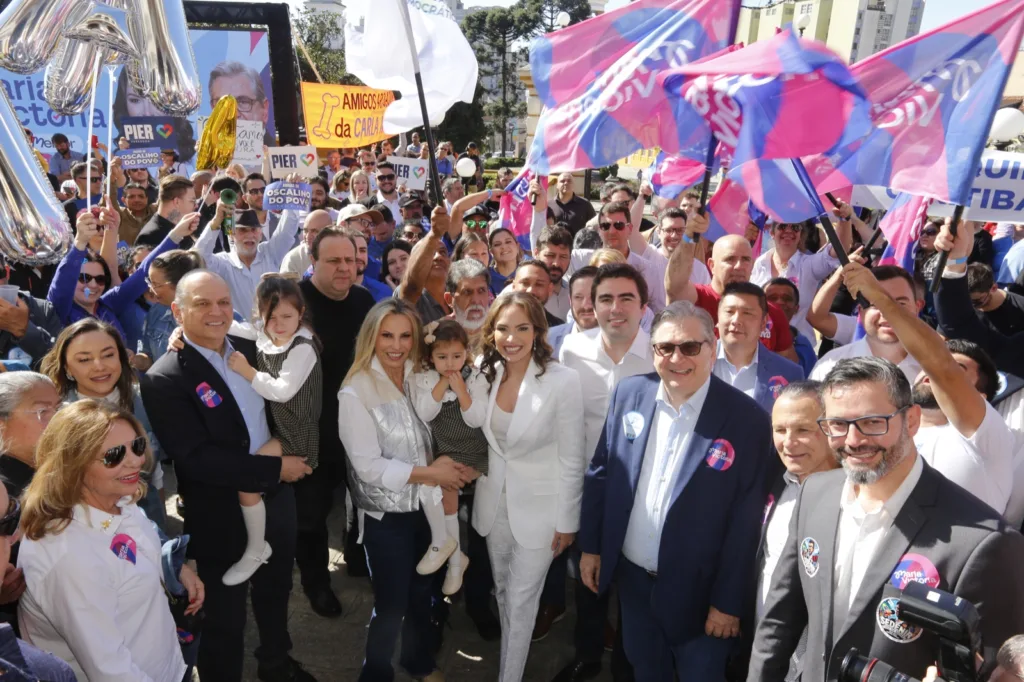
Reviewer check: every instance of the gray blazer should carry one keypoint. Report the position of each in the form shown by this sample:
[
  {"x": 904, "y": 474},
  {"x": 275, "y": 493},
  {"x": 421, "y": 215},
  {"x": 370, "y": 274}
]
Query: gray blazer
[{"x": 963, "y": 542}]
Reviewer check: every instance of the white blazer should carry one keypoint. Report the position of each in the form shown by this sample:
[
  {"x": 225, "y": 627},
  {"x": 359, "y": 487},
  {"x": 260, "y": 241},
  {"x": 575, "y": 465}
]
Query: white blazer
[{"x": 541, "y": 468}]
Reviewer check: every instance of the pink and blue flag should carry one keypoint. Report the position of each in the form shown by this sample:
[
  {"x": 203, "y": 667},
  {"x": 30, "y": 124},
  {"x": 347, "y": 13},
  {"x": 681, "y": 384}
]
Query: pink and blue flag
[
  {"x": 932, "y": 102},
  {"x": 670, "y": 176},
  {"x": 597, "y": 80},
  {"x": 902, "y": 227},
  {"x": 515, "y": 211}
]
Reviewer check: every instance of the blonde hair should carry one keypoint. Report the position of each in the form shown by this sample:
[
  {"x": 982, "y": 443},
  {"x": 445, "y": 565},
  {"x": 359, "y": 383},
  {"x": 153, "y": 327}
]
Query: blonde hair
[
  {"x": 352, "y": 184},
  {"x": 366, "y": 342},
  {"x": 606, "y": 256},
  {"x": 237, "y": 171},
  {"x": 69, "y": 445}
]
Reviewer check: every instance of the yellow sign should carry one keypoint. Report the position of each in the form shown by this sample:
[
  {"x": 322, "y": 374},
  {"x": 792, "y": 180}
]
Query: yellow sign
[
  {"x": 344, "y": 115},
  {"x": 640, "y": 159}
]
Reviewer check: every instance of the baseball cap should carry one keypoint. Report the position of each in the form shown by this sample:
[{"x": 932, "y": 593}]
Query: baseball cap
[
  {"x": 410, "y": 199},
  {"x": 358, "y": 210},
  {"x": 471, "y": 145},
  {"x": 478, "y": 210}
]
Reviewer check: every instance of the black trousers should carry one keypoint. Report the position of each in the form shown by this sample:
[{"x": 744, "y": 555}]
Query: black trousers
[
  {"x": 478, "y": 581},
  {"x": 222, "y": 643}
]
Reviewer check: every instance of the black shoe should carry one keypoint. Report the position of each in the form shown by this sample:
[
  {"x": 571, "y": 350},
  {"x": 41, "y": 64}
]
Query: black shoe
[
  {"x": 487, "y": 625},
  {"x": 289, "y": 671},
  {"x": 578, "y": 671},
  {"x": 323, "y": 602}
]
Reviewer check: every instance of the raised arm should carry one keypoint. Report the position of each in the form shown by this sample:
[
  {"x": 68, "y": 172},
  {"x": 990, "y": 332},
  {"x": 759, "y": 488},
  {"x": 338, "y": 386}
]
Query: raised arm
[
  {"x": 680, "y": 263},
  {"x": 62, "y": 288},
  {"x": 422, "y": 257},
  {"x": 637, "y": 243},
  {"x": 467, "y": 202}
]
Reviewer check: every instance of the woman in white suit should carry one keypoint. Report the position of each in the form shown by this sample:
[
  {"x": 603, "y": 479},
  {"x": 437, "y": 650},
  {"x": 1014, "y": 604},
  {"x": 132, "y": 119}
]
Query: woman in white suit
[{"x": 528, "y": 504}]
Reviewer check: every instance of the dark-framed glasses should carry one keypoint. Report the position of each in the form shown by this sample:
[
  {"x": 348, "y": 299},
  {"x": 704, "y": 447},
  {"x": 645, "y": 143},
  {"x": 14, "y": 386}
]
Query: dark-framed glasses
[
  {"x": 688, "y": 348},
  {"x": 871, "y": 425},
  {"x": 115, "y": 455},
  {"x": 618, "y": 225},
  {"x": 10, "y": 521}
]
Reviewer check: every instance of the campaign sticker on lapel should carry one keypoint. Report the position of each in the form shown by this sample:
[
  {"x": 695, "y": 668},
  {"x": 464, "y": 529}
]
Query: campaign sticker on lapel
[
  {"x": 768, "y": 508},
  {"x": 890, "y": 624},
  {"x": 766, "y": 333},
  {"x": 123, "y": 547},
  {"x": 632, "y": 425},
  {"x": 209, "y": 396},
  {"x": 720, "y": 455},
  {"x": 914, "y": 568},
  {"x": 776, "y": 384},
  {"x": 809, "y": 556}
]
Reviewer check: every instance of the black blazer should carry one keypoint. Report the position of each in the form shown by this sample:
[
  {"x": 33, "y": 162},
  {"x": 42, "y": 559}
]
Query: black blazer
[{"x": 209, "y": 445}]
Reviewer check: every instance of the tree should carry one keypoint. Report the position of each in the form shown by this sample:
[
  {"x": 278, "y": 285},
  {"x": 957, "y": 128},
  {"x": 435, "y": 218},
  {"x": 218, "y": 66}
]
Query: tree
[
  {"x": 464, "y": 123},
  {"x": 548, "y": 10},
  {"x": 320, "y": 32},
  {"x": 497, "y": 34}
]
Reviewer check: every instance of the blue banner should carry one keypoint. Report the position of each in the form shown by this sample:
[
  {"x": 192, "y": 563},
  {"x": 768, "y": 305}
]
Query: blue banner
[
  {"x": 144, "y": 157},
  {"x": 143, "y": 132},
  {"x": 282, "y": 195}
]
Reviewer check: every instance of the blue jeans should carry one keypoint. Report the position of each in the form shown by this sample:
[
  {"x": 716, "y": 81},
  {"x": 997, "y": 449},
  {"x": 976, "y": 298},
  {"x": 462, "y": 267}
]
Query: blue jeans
[{"x": 401, "y": 596}]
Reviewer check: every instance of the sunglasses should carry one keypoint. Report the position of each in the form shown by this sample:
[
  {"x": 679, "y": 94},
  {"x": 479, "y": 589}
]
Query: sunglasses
[
  {"x": 385, "y": 178},
  {"x": 930, "y": 233},
  {"x": 371, "y": 164},
  {"x": 10, "y": 521},
  {"x": 92, "y": 180},
  {"x": 85, "y": 278},
  {"x": 618, "y": 225},
  {"x": 115, "y": 455},
  {"x": 476, "y": 224},
  {"x": 688, "y": 348},
  {"x": 787, "y": 227},
  {"x": 257, "y": 190}
]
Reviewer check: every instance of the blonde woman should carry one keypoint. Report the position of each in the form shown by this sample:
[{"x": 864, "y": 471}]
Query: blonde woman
[
  {"x": 390, "y": 472},
  {"x": 91, "y": 557},
  {"x": 359, "y": 186}
]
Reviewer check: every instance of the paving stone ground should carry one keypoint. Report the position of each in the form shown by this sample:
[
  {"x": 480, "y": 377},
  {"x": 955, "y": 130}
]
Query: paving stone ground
[{"x": 332, "y": 649}]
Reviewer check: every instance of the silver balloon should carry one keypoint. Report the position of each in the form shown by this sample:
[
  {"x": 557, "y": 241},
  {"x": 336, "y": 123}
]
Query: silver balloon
[
  {"x": 167, "y": 67},
  {"x": 115, "y": 57},
  {"x": 102, "y": 25},
  {"x": 71, "y": 76},
  {"x": 30, "y": 31},
  {"x": 34, "y": 227}
]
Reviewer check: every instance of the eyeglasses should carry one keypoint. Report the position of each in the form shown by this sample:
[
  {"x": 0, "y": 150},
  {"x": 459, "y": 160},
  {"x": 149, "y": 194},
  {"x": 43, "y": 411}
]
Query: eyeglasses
[
  {"x": 43, "y": 414},
  {"x": 872, "y": 425},
  {"x": 85, "y": 278},
  {"x": 688, "y": 348},
  {"x": 12, "y": 519},
  {"x": 92, "y": 179},
  {"x": 618, "y": 225},
  {"x": 476, "y": 224},
  {"x": 385, "y": 178},
  {"x": 982, "y": 300},
  {"x": 245, "y": 104},
  {"x": 411, "y": 235},
  {"x": 788, "y": 227},
  {"x": 256, "y": 190},
  {"x": 155, "y": 285},
  {"x": 673, "y": 231},
  {"x": 370, "y": 164},
  {"x": 115, "y": 455},
  {"x": 930, "y": 232},
  {"x": 365, "y": 222}
]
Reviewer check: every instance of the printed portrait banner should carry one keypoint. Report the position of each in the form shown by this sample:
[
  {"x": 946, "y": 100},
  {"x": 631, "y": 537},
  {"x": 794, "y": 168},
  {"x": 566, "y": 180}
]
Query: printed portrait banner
[
  {"x": 287, "y": 160},
  {"x": 143, "y": 132},
  {"x": 344, "y": 115},
  {"x": 280, "y": 196},
  {"x": 412, "y": 173},
  {"x": 143, "y": 157}
]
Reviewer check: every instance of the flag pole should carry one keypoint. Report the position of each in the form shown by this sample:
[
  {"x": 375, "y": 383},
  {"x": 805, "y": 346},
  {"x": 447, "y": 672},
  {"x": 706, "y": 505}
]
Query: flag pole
[
  {"x": 958, "y": 213},
  {"x": 705, "y": 187},
  {"x": 435, "y": 178}
]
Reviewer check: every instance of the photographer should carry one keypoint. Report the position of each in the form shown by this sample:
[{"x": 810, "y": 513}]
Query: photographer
[{"x": 1009, "y": 663}]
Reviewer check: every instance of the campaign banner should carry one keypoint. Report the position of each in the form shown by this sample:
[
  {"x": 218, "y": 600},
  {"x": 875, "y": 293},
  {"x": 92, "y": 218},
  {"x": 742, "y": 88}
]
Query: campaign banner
[
  {"x": 287, "y": 160},
  {"x": 412, "y": 173},
  {"x": 344, "y": 115},
  {"x": 997, "y": 194},
  {"x": 143, "y": 157},
  {"x": 280, "y": 196},
  {"x": 248, "y": 143},
  {"x": 143, "y": 132}
]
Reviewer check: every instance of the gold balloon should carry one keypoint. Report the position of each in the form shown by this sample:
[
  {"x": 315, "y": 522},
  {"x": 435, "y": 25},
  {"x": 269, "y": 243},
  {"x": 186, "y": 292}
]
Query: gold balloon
[{"x": 217, "y": 143}]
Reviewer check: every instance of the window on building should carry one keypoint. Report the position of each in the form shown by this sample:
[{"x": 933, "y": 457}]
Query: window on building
[{"x": 807, "y": 9}]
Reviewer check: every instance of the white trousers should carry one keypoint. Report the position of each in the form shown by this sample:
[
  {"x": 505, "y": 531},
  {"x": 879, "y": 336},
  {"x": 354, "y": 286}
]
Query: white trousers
[{"x": 519, "y": 575}]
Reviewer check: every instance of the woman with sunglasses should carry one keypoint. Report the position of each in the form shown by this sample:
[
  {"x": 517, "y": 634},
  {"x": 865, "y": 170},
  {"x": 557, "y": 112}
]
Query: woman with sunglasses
[
  {"x": 91, "y": 557},
  {"x": 339, "y": 187},
  {"x": 82, "y": 286},
  {"x": 89, "y": 360}
]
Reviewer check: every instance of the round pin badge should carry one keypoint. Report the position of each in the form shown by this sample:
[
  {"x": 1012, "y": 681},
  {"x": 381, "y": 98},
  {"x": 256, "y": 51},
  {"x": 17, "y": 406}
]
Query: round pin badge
[
  {"x": 720, "y": 455},
  {"x": 776, "y": 384},
  {"x": 809, "y": 550},
  {"x": 123, "y": 547},
  {"x": 632, "y": 425},
  {"x": 890, "y": 624},
  {"x": 914, "y": 568}
]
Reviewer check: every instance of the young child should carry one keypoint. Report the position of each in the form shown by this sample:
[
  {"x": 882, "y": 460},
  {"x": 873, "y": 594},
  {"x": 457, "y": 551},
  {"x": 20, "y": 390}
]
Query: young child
[
  {"x": 450, "y": 395},
  {"x": 290, "y": 378}
]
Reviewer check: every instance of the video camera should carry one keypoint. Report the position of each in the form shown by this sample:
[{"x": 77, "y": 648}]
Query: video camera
[{"x": 954, "y": 620}]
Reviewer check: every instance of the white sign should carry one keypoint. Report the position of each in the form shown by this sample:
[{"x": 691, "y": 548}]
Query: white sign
[
  {"x": 412, "y": 173},
  {"x": 996, "y": 196},
  {"x": 287, "y": 160},
  {"x": 248, "y": 142}
]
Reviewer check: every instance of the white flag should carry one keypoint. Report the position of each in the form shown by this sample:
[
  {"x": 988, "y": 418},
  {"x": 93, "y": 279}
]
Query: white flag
[{"x": 377, "y": 52}]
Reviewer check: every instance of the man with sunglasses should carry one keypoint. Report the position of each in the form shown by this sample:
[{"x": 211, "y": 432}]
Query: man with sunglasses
[
  {"x": 28, "y": 327},
  {"x": 1000, "y": 309},
  {"x": 387, "y": 192},
  {"x": 94, "y": 189},
  {"x": 861, "y": 534},
  {"x": 255, "y": 186},
  {"x": 679, "y": 450}
]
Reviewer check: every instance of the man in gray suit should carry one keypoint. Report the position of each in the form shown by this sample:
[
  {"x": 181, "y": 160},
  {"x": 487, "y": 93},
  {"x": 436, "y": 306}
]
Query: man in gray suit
[{"x": 861, "y": 534}]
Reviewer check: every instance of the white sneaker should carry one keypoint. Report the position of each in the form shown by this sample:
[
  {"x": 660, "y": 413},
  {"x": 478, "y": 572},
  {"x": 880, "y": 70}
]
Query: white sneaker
[
  {"x": 435, "y": 557},
  {"x": 453, "y": 580},
  {"x": 243, "y": 569}
]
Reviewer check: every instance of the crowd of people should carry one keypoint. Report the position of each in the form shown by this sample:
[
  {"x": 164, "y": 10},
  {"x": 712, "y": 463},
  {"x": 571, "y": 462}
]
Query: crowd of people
[{"x": 752, "y": 454}]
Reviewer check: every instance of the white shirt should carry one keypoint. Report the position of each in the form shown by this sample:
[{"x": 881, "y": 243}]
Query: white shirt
[
  {"x": 860, "y": 349},
  {"x": 775, "y": 537},
  {"x": 699, "y": 273},
  {"x": 859, "y": 535},
  {"x": 392, "y": 206},
  {"x": 982, "y": 464},
  {"x": 243, "y": 280},
  {"x": 846, "y": 329},
  {"x": 670, "y": 436},
  {"x": 559, "y": 303},
  {"x": 297, "y": 260},
  {"x": 655, "y": 278},
  {"x": 741, "y": 378},
  {"x": 585, "y": 353},
  {"x": 295, "y": 369},
  {"x": 107, "y": 616},
  {"x": 805, "y": 271},
  {"x": 421, "y": 388},
  {"x": 1012, "y": 411}
]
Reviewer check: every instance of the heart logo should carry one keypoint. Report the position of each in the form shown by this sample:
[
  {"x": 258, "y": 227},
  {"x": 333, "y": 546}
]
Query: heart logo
[
  {"x": 308, "y": 159},
  {"x": 419, "y": 172},
  {"x": 165, "y": 130}
]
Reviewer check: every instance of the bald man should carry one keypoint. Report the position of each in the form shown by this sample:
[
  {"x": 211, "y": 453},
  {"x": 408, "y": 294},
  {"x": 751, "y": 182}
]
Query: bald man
[
  {"x": 298, "y": 259},
  {"x": 731, "y": 260},
  {"x": 211, "y": 421},
  {"x": 570, "y": 209}
]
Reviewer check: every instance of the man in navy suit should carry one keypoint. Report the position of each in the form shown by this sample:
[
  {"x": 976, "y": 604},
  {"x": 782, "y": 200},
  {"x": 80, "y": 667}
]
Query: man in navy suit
[
  {"x": 672, "y": 505},
  {"x": 743, "y": 362}
]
